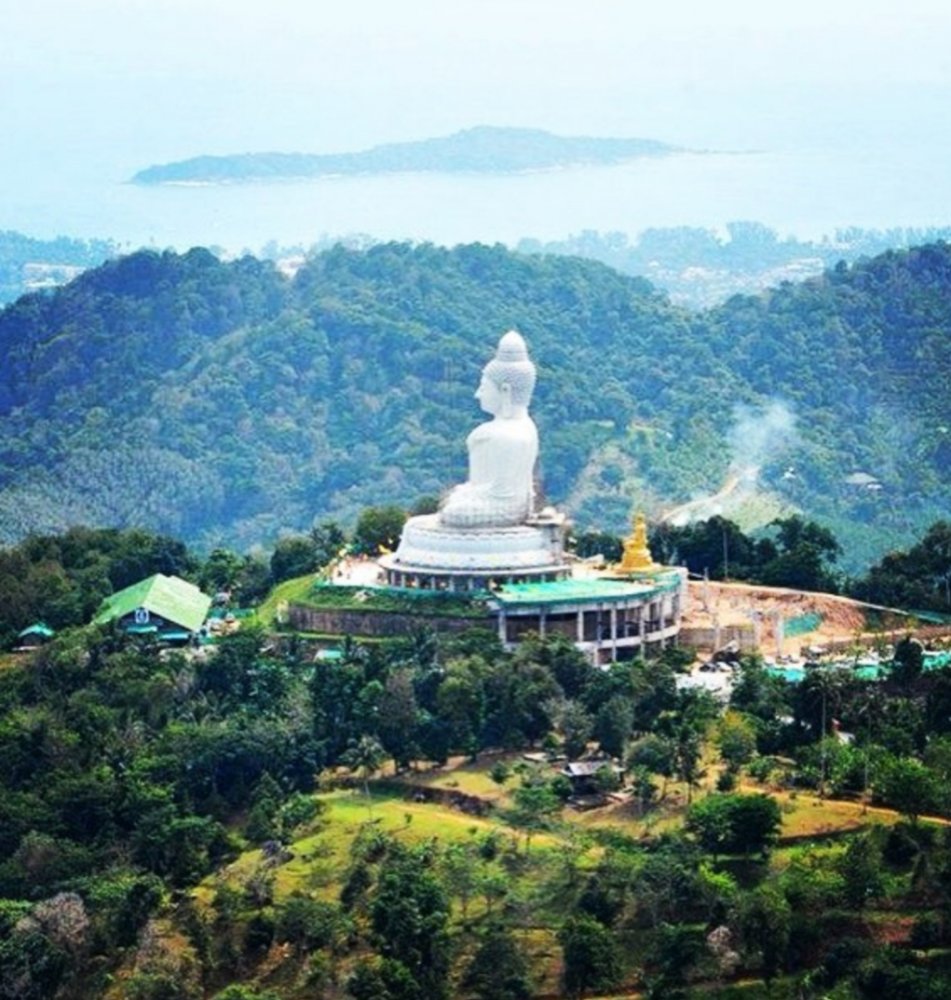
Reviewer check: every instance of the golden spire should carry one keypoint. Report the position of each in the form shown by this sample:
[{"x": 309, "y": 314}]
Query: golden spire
[{"x": 637, "y": 553}]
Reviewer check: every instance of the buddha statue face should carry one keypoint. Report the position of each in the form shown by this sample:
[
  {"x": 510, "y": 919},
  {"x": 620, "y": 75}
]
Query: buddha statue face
[
  {"x": 490, "y": 396},
  {"x": 508, "y": 380}
]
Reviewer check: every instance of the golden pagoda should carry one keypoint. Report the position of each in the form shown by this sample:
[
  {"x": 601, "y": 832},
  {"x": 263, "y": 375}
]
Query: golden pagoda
[{"x": 637, "y": 553}]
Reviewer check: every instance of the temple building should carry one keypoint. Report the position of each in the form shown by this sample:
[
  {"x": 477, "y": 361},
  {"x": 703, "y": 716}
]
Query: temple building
[
  {"x": 489, "y": 546},
  {"x": 166, "y": 607}
]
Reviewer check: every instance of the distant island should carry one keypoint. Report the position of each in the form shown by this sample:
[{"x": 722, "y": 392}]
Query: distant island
[{"x": 484, "y": 149}]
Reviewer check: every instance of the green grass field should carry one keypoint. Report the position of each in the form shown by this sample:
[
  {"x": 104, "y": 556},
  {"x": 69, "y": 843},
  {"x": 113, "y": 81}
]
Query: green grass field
[{"x": 290, "y": 591}]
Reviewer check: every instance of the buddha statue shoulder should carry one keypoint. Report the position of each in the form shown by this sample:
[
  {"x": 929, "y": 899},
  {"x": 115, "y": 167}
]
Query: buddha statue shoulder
[{"x": 502, "y": 451}]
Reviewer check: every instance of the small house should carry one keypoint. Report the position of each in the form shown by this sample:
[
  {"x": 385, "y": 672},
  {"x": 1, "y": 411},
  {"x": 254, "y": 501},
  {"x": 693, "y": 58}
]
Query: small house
[
  {"x": 37, "y": 634},
  {"x": 167, "y": 607},
  {"x": 583, "y": 774}
]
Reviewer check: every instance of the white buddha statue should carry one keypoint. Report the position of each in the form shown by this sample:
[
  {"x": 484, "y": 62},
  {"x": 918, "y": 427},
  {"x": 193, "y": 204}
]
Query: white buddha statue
[{"x": 502, "y": 451}]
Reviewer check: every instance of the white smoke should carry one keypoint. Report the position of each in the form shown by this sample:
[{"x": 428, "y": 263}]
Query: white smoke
[{"x": 760, "y": 433}]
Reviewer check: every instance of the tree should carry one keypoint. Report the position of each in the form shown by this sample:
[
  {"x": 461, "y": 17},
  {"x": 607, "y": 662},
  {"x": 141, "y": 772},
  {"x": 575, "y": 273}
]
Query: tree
[
  {"x": 535, "y": 803},
  {"x": 307, "y": 923},
  {"x": 907, "y": 785},
  {"x": 666, "y": 887},
  {"x": 909, "y": 660},
  {"x": 592, "y": 958},
  {"x": 765, "y": 919},
  {"x": 688, "y": 749},
  {"x": 678, "y": 950},
  {"x": 735, "y": 823},
  {"x": 861, "y": 870},
  {"x": 576, "y": 725},
  {"x": 736, "y": 738},
  {"x": 498, "y": 970},
  {"x": 222, "y": 570},
  {"x": 657, "y": 754},
  {"x": 383, "y": 979},
  {"x": 399, "y": 714},
  {"x": 294, "y": 555},
  {"x": 365, "y": 756},
  {"x": 917, "y": 579},
  {"x": 612, "y": 726},
  {"x": 378, "y": 528},
  {"x": 806, "y": 550},
  {"x": 818, "y": 700},
  {"x": 410, "y": 916},
  {"x": 460, "y": 873},
  {"x": 328, "y": 540},
  {"x": 460, "y": 701},
  {"x": 598, "y": 543},
  {"x": 606, "y": 890}
]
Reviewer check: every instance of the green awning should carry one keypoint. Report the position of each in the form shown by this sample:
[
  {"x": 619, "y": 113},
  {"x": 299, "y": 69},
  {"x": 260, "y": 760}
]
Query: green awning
[{"x": 40, "y": 629}]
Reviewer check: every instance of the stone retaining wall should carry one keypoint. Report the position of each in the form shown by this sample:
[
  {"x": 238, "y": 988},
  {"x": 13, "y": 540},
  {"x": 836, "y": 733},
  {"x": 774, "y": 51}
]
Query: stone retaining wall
[
  {"x": 697, "y": 637},
  {"x": 377, "y": 624}
]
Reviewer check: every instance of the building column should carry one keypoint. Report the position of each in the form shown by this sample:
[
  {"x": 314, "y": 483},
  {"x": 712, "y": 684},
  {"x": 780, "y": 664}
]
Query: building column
[
  {"x": 613, "y": 633},
  {"x": 541, "y": 623},
  {"x": 503, "y": 635},
  {"x": 580, "y": 624}
]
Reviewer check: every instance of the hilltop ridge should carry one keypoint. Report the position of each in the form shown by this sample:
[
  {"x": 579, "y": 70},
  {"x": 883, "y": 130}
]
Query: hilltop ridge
[{"x": 222, "y": 402}]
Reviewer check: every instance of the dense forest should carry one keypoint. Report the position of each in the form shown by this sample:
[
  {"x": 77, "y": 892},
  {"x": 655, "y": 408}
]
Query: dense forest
[
  {"x": 222, "y": 403},
  {"x": 247, "y": 822},
  {"x": 483, "y": 149}
]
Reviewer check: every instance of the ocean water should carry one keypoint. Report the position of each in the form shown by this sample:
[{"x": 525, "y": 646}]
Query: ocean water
[{"x": 802, "y": 192}]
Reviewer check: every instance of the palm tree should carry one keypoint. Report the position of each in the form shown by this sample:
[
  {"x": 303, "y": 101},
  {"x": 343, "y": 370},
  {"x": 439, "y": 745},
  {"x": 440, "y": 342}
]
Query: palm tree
[
  {"x": 366, "y": 756},
  {"x": 827, "y": 683}
]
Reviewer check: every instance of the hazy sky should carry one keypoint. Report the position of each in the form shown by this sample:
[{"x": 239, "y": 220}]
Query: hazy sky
[{"x": 141, "y": 81}]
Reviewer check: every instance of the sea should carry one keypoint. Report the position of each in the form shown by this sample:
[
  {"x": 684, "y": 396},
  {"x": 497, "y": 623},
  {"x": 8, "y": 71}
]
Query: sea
[{"x": 807, "y": 192}]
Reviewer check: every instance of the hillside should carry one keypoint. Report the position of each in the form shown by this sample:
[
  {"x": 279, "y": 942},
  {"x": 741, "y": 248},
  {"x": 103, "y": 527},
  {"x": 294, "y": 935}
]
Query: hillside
[
  {"x": 222, "y": 402},
  {"x": 484, "y": 149}
]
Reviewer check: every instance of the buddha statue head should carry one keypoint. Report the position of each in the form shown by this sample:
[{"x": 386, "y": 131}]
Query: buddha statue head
[{"x": 508, "y": 380}]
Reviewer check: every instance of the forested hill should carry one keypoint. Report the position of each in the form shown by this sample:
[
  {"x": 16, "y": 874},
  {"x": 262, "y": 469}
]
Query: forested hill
[
  {"x": 219, "y": 401},
  {"x": 484, "y": 149}
]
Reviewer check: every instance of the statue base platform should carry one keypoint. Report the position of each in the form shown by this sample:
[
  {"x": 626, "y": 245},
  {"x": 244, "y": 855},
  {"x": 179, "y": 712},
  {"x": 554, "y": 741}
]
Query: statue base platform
[{"x": 433, "y": 556}]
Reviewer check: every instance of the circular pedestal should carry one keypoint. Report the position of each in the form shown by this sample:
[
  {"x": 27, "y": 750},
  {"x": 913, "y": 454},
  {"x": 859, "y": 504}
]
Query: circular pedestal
[{"x": 430, "y": 555}]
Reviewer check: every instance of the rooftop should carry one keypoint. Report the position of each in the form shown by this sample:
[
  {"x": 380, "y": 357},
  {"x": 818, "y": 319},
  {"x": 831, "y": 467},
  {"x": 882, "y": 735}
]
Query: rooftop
[
  {"x": 170, "y": 597},
  {"x": 583, "y": 590}
]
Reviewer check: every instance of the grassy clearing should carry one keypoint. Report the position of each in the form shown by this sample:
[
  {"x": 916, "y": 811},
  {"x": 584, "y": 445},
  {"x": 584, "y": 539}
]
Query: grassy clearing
[
  {"x": 320, "y": 858},
  {"x": 810, "y": 816},
  {"x": 290, "y": 591},
  {"x": 470, "y": 778}
]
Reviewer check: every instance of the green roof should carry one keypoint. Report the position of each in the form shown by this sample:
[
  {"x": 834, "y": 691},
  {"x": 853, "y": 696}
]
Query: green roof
[
  {"x": 580, "y": 591},
  {"x": 169, "y": 597},
  {"x": 38, "y": 628}
]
